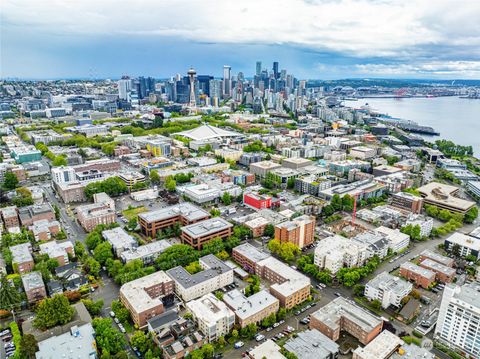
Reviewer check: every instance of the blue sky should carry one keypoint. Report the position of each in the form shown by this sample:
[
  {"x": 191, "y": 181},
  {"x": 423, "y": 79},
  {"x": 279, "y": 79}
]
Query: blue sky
[{"x": 313, "y": 39}]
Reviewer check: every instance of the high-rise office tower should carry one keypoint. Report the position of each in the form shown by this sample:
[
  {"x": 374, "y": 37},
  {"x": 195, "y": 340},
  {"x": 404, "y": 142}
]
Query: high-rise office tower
[
  {"x": 124, "y": 88},
  {"x": 458, "y": 321},
  {"x": 215, "y": 89},
  {"x": 275, "y": 70},
  {"x": 258, "y": 69},
  {"x": 191, "y": 75},
  {"x": 227, "y": 81}
]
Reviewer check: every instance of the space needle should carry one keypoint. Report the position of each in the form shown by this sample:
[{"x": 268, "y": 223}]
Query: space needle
[{"x": 191, "y": 74}]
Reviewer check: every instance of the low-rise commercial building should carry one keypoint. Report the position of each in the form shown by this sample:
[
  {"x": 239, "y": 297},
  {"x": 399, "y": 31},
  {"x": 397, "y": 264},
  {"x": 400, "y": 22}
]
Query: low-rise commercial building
[
  {"x": 91, "y": 215},
  {"x": 143, "y": 296},
  {"x": 268, "y": 349},
  {"x": 311, "y": 344},
  {"x": 200, "y": 233},
  {"x": 257, "y": 201},
  {"x": 299, "y": 231},
  {"x": 342, "y": 315},
  {"x": 296, "y": 163},
  {"x": 382, "y": 347},
  {"x": 422, "y": 277},
  {"x": 34, "y": 287},
  {"x": 443, "y": 274},
  {"x": 444, "y": 196},
  {"x": 213, "y": 317},
  {"x": 363, "y": 153},
  {"x": 388, "y": 289},
  {"x": 260, "y": 169},
  {"x": 253, "y": 309},
  {"x": 183, "y": 214},
  {"x": 215, "y": 275}
]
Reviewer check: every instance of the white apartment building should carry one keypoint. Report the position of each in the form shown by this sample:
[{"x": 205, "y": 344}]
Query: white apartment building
[
  {"x": 458, "y": 321},
  {"x": 397, "y": 241},
  {"x": 425, "y": 223},
  {"x": 336, "y": 252},
  {"x": 363, "y": 153},
  {"x": 467, "y": 245},
  {"x": 213, "y": 317},
  {"x": 201, "y": 193},
  {"x": 388, "y": 289},
  {"x": 63, "y": 174},
  {"x": 215, "y": 275}
]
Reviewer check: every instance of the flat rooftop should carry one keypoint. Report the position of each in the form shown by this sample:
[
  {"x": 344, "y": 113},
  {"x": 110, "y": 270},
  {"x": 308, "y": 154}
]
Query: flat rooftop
[
  {"x": 245, "y": 307},
  {"x": 331, "y": 315},
  {"x": 268, "y": 349},
  {"x": 32, "y": 280},
  {"x": 207, "y": 227},
  {"x": 312, "y": 344},
  {"x": 444, "y": 194},
  {"x": 252, "y": 253},
  {"x": 437, "y": 267},
  {"x": 119, "y": 238},
  {"x": 386, "y": 281},
  {"x": 464, "y": 241},
  {"x": 412, "y": 267},
  {"x": 21, "y": 253},
  {"x": 209, "y": 309},
  {"x": 446, "y": 261},
  {"x": 381, "y": 347},
  {"x": 212, "y": 268},
  {"x": 136, "y": 295},
  {"x": 187, "y": 210},
  {"x": 144, "y": 250}
]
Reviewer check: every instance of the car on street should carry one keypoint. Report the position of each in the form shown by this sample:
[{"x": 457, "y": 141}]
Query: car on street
[
  {"x": 276, "y": 325},
  {"x": 112, "y": 314},
  {"x": 238, "y": 345},
  {"x": 281, "y": 321},
  {"x": 259, "y": 337},
  {"x": 269, "y": 329},
  {"x": 337, "y": 294},
  {"x": 116, "y": 320},
  {"x": 297, "y": 312}
]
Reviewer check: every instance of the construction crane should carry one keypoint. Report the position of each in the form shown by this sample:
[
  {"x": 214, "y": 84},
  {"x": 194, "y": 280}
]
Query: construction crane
[{"x": 354, "y": 215}]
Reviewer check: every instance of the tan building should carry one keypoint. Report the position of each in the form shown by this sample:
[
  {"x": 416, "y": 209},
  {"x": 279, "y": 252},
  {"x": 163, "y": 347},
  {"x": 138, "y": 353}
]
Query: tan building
[
  {"x": 444, "y": 196},
  {"x": 257, "y": 226},
  {"x": 443, "y": 274},
  {"x": 143, "y": 296},
  {"x": 382, "y": 347},
  {"x": 342, "y": 315},
  {"x": 184, "y": 214},
  {"x": 300, "y": 231},
  {"x": 71, "y": 191},
  {"x": 251, "y": 309},
  {"x": 200, "y": 233},
  {"x": 407, "y": 201},
  {"x": 248, "y": 257},
  {"x": 290, "y": 286},
  {"x": 34, "y": 287},
  {"x": 91, "y": 215}
]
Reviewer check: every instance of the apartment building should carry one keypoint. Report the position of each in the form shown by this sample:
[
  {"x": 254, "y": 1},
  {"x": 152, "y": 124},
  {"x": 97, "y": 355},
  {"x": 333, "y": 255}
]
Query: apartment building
[
  {"x": 343, "y": 315},
  {"x": 363, "y": 153},
  {"x": 422, "y": 277},
  {"x": 336, "y": 252},
  {"x": 388, "y": 289},
  {"x": 248, "y": 257},
  {"x": 147, "y": 253},
  {"x": 443, "y": 274},
  {"x": 382, "y": 347},
  {"x": 257, "y": 226},
  {"x": 22, "y": 260},
  {"x": 104, "y": 198},
  {"x": 253, "y": 309},
  {"x": 215, "y": 275},
  {"x": 10, "y": 217},
  {"x": 120, "y": 240},
  {"x": 202, "y": 193},
  {"x": 425, "y": 223},
  {"x": 183, "y": 213},
  {"x": 30, "y": 214},
  {"x": 34, "y": 287},
  {"x": 91, "y": 215},
  {"x": 58, "y": 251},
  {"x": 428, "y": 254},
  {"x": 43, "y": 230},
  {"x": 213, "y": 317},
  {"x": 458, "y": 323},
  {"x": 63, "y": 174},
  {"x": 71, "y": 192},
  {"x": 143, "y": 296},
  {"x": 397, "y": 241},
  {"x": 260, "y": 169},
  {"x": 467, "y": 245},
  {"x": 102, "y": 164},
  {"x": 296, "y": 163},
  {"x": 299, "y": 231},
  {"x": 197, "y": 234},
  {"x": 312, "y": 344},
  {"x": 290, "y": 286}
]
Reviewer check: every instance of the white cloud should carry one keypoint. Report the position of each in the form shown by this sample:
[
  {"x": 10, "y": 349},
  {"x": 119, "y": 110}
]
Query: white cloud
[{"x": 388, "y": 28}]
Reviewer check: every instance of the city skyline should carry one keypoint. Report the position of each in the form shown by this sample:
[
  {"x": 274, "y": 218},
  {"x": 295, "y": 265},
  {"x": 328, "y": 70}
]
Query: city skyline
[{"x": 312, "y": 39}]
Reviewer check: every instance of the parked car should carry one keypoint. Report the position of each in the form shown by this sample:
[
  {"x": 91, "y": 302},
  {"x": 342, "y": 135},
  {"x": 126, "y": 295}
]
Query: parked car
[
  {"x": 259, "y": 337},
  {"x": 112, "y": 314},
  {"x": 281, "y": 321},
  {"x": 276, "y": 324},
  {"x": 269, "y": 329},
  {"x": 338, "y": 294},
  {"x": 238, "y": 345},
  {"x": 116, "y": 320}
]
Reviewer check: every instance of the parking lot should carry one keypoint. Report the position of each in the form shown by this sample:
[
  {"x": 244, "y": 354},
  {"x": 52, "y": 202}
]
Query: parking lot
[{"x": 7, "y": 348}]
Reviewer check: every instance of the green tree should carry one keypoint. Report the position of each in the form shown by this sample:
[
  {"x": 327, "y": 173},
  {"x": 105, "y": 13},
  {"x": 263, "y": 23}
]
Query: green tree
[
  {"x": 193, "y": 267},
  {"x": 281, "y": 314},
  {"x": 155, "y": 177},
  {"x": 94, "y": 308},
  {"x": 103, "y": 252},
  {"x": 358, "y": 290},
  {"x": 10, "y": 181},
  {"x": 93, "y": 239},
  {"x": 9, "y": 296},
  {"x": 285, "y": 250},
  {"x": 376, "y": 304},
  {"x": 140, "y": 340},
  {"x": 207, "y": 350},
  {"x": 91, "y": 266},
  {"x": 79, "y": 249},
  {"x": 120, "y": 311},
  {"x": 269, "y": 230},
  {"x": 59, "y": 161},
  {"x": 53, "y": 311},
  {"x": 176, "y": 255},
  {"x": 215, "y": 246},
  {"x": 108, "y": 338},
  {"x": 226, "y": 198},
  {"x": 235, "y": 334},
  {"x": 28, "y": 345},
  {"x": 336, "y": 202},
  {"x": 291, "y": 183},
  {"x": 170, "y": 184},
  {"x": 471, "y": 215}
]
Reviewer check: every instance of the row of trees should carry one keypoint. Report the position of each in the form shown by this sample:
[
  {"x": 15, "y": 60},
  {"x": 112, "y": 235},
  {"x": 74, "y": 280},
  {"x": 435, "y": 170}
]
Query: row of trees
[
  {"x": 112, "y": 186},
  {"x": 350, "y": 276},
  {"x": 59, "y": 160},
  {"x": 285, "y": 250},
  {"x": 305, "y": 264}
]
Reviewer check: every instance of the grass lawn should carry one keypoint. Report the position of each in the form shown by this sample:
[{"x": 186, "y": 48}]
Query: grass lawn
[{"x": 134, "y": 212}]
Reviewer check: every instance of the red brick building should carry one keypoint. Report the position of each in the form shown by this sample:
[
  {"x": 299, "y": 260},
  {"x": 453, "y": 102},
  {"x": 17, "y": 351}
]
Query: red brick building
[{"x": 256, "y": 200}]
